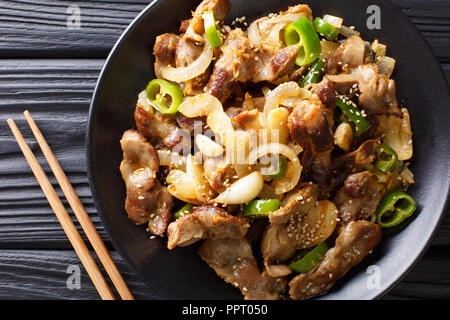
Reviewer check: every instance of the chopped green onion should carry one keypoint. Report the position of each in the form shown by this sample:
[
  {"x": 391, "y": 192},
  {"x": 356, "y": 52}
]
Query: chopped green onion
[
  {"x": 279, "y": 172},
  {"x": 394, "y": 208},
  {"x": 261, "y": 208},
  {"x": 185, "y": 210},
  {"x": 214, "y": 36},
  {"x": 157, "y": 92},
  {"x": 327, "y": 30},
  {"x": 310, "y": 259},
  {"x": 387, "y": 158},
  {"x": 354, "y": 115},
  {"x": 315, "y": 73},
  {"x": 302, "y": 32}
]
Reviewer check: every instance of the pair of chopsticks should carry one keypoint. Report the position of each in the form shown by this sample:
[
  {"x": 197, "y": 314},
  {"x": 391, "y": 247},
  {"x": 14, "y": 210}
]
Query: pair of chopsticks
[{"x": 64, "y": 218}]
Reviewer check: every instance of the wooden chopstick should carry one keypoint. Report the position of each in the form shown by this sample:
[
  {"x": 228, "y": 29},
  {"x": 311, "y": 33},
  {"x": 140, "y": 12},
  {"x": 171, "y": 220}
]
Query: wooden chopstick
[
  {"x": 80, "y": 213},
  {"x": 63, "y": 217}
]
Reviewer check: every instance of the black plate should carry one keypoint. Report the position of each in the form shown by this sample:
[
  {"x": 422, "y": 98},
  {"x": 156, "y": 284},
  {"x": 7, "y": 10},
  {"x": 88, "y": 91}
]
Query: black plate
[{"x": 181, "y": 273}]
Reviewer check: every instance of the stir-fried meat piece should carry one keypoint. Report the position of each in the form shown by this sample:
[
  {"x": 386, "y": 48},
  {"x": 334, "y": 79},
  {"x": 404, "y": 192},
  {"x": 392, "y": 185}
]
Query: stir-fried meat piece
[
  {"x": 233, "y": 261},
  {"x": 248, "y": 120},
  {"x": 233, "y": 111},
  {"x": 277, "y": 247},
  {"x": 352, "y": 162},
  {"x": 310, "y": 126},
  {"x": 348, "y": 55},
  {"x": 218, "y": 173},
  {"x": 159, "y": 128},
  {"x": 190, "y": 46},
  {"x": 281, "y": 240},
  {"x": 302, "y": 198},
  {"x": 207, "y": 222},
  {"x": 186, "y": 53},
  {"x": 298, "y": 74},
  {"x": 377, "y": 92},
  {"x": 190, "y": 124},
  {"x": 195, "y": 29},
  {"x": 235, "y": 64},
  {"x": 326, "y": 93},
  {"x": 269, "y": 67},
  {"x": 356, "y": 241},
  {"x": 241, "y": 61},
  {"x": 165, "y": 47},
  {"x": 164, "y": 50},
  {"x": 316, "y": 166},
  {"x": 265, "y": 32},
  {"x": 147, "y": 200},
  {"x": 359, "y": 198}
]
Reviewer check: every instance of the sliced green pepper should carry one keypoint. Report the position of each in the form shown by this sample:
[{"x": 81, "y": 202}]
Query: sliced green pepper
[
  {"x": 315, "y": 73},
  {"x": 185, "y": 210},
  {"x": 261, "y": 208},
  {"x": 387, "y": 158},
  {"x": 214, "y": 36},
  {"x": 157, "y": 92},
  {"x": 394, "y": 208},
  {"x": 310, "y": 259},
  {"x": 302, "y": 32},
  {"x": 354, "y": 115},
  {"x": 280, "y": 171},
  {"x": 327, "y": 30}
]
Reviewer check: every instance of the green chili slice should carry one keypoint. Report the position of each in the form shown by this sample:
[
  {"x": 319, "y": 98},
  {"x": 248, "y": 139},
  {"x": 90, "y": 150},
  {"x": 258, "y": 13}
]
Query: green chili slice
[
  {"x": 185, "y": 210},
  {"x": 310, "y": 259},
  {"x": 157, "y": 92},
  {"x": 212, "y": 33},
  {"x": 394, "y": 208},
  {"x": 280, "y": 171},
  {"x": 261, "y": 208},
  {"x": 387, "y": 158},
  {"x": 327, "y": 30},
  {"x": 302, "y": 32},
  {"x": 352, "y": 112},
  {"x": 315, "y": 73}
]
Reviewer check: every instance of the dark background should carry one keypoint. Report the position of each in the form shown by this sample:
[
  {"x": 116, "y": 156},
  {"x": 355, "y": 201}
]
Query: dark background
[{"x": 52, "y": 70}]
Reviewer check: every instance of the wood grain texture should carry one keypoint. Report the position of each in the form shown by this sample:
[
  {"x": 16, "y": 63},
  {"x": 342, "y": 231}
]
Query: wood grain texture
[
  {"x": 57, "y": 93},
  {"x": 39, "y": 28},
  {"x": 42, "y": 274}
]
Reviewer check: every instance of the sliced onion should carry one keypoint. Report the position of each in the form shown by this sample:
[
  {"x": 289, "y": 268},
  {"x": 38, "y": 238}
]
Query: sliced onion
[
  {"x": 191, "y": 71},
  {"x": 181, "y": 186},
  {"x": 207, "y": 105},
  {"x": 277, "y": 120},
  {"x": 169, "y": 158},
  {"x": 398, "y": 135},
  {"x": 243, "y": 190},
  {"x": 207, "y": 146},
  {"x": 333, "y": 20},
  {"x": 285, "y": 90},
  {"x": 294, "y": 168},
  {"x": 237, "y": 143},
  {"x": 265, "y": 32},
  {"x": 348, "y": 32},
  {"x": 328, "y": 48},
  {"x": 254, "y": 34},
  {"x": 194, "y": 171},
  {"x": 321, "y": 222},
  {"x": 385, "y": 65}
]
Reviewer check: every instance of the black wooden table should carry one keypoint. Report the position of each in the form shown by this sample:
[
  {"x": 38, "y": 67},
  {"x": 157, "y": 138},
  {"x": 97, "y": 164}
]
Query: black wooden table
[{"x": 50, "y": 66}]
